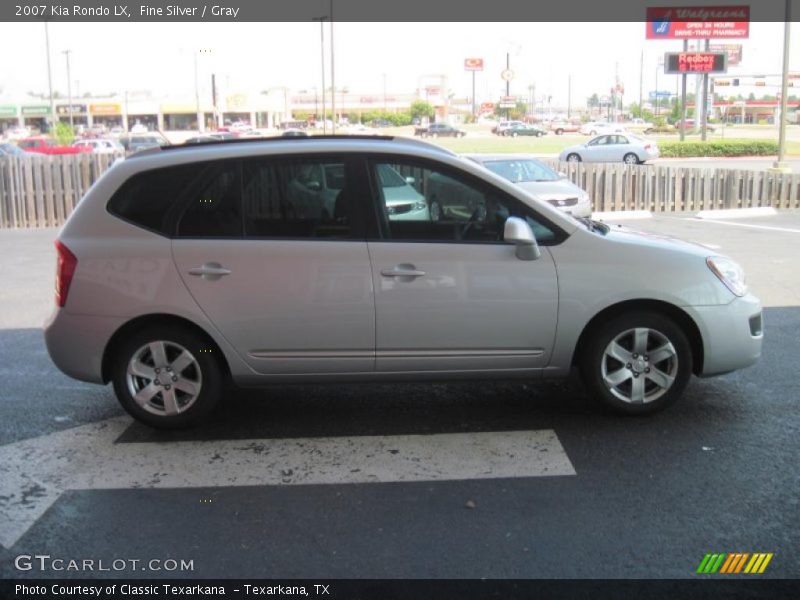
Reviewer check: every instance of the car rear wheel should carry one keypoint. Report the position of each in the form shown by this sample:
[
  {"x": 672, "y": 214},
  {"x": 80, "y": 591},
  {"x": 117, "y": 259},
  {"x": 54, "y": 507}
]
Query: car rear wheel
[
  {"x": 630, "y": 159},
  {"x": 514, "y": 134},
  {"x": 592, "y": 132},
  {"x": 434, "y": 135},
  {"x": 573, "y": 158},
  {"x": 168, "y": 377},
  {"x": 637, "y": 363},
  {"x": 559, "y": 131}
]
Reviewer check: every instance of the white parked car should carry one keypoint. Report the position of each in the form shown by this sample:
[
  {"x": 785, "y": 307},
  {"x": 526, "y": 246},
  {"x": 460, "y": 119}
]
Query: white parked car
[
  {"x": 597, "y": 128},
  {"x": 539, "y": 180},
  {"x": 101, "y": 146},
  {"x": 188, "y": 267},
  {"x": 626, "y": 148}
]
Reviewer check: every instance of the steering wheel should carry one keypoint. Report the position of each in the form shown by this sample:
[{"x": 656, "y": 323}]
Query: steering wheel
[{"x": 478, "y": 215}]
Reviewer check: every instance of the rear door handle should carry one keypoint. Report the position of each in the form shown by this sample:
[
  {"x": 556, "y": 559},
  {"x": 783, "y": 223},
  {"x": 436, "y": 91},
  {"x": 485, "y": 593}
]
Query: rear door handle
[
  {"x": 403, "y": 270},
  {"x": 210, "y": 271}
]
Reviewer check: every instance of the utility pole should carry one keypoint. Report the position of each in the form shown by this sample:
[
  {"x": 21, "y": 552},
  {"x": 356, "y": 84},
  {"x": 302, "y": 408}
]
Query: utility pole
[
  {"x": 50, "y": 79},
  {"x": 704, "y": 120},
  {"x": 333, "y": 73},
  {"x": 69, "y": 91},
  {"x": 641, "y": 83},
  {"x": 780, "y": 165},
  {"x": 197, "y": 93},
  {"x": 683, "y": 97},
  {"x": 322, "y": 55},
  {"x": 508, "y": 81}
]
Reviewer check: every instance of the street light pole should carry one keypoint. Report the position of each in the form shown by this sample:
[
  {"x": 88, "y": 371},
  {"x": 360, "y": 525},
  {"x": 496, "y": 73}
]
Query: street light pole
[
  {"x": 50, "y": 78},
  {"x": 69, "y": 92},
  {"x": 780, "y": 164}
]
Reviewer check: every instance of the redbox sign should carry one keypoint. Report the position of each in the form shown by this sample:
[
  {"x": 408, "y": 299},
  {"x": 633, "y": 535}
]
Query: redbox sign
[
  {"x": 695, "y": 62},
  {"x": 698, "y": 22},
  {"x": 473, "y": 64}
]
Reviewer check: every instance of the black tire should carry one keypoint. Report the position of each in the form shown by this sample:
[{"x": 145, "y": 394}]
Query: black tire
[
  {"x": 573, "y": 157},
  {"x": 593, "y": 358},
  {"x": 592, "y": 132},
  {"x": 434, "y": 135},
  {"x": 559, "y": 131},
  {"x": 631, "y": 159},
  {"x": 514, "y": 134},
  {"x": 207, "y": 368}
]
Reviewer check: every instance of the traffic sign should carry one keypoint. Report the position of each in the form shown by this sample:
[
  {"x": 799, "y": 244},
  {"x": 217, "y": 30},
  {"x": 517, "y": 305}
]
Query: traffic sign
[{"x": 507, "y": 75}]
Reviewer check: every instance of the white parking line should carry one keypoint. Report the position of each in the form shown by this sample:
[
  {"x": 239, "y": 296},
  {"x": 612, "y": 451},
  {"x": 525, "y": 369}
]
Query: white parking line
[
  {"x": 34, "y": 473},
  {"x": 750, "y": 225}
]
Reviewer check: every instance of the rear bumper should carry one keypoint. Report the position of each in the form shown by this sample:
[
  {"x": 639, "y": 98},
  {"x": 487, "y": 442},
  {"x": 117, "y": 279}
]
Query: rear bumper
[
  {"x": 732, "y": 335},
  {"x": 76, "y": 343}
]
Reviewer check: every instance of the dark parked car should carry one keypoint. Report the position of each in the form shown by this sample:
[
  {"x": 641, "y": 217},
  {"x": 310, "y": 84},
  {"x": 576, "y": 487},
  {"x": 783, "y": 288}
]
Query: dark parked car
[
  {"x": 439, "y": 130},
  {"x": 518, "y": 129}
]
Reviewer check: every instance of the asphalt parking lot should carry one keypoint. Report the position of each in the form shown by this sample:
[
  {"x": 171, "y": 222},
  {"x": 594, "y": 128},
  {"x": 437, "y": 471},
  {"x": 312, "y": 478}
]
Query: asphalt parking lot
[{"x": 461, "y": 480}]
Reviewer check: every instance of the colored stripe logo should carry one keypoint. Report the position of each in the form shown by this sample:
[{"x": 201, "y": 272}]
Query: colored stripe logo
[{"x": 734, "y": 562}]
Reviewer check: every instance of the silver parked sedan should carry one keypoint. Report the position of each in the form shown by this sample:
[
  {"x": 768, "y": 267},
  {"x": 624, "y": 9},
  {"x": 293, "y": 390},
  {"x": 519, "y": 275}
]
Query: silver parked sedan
[
  {"x": 618, "y": 147},
  {"x": 539, "y": 180},
  {"x": 188, "y": 267}
]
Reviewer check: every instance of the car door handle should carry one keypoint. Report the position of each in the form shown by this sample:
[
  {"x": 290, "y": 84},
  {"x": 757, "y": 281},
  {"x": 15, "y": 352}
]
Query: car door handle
[
  {"x": 403, "y": 271},
  {"x": 210, "y": 271}
]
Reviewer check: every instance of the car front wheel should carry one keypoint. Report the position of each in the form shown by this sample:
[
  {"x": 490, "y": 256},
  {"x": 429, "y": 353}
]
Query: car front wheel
[
  {"x": 637, "y": 363},
  {"x": 167, "y": 377},
  {"x": 573, "y": 158}
]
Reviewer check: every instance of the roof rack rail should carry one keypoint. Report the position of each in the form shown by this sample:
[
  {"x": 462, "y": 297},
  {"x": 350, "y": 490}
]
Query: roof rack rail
[{"x": 305, "y": 139}]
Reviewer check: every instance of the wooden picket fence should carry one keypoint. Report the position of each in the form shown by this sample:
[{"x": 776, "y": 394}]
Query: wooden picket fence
[
  {"x": 42, "y": 191},
  {"x": 661, "y": 188}
]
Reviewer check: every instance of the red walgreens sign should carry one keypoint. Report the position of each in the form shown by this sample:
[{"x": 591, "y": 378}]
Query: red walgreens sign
[
  {"x": 473, "y": 64},
  {"x": 698, "y": 22}
]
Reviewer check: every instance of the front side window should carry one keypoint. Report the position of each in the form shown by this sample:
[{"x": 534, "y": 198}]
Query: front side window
[{"x": 417, "y": 202}]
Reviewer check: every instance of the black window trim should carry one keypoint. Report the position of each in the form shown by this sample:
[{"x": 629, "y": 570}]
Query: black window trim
[
  {"x": 379, "y": 232},
  {"x": 354, "y": 165}
]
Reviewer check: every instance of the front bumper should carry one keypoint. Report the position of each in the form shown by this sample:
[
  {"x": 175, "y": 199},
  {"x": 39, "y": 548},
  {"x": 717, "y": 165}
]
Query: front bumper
[{"x": 732, "y": 334}]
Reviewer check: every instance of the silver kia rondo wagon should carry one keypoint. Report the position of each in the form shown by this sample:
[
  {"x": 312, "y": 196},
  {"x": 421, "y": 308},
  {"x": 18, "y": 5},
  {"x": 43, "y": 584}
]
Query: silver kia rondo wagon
[{"x": 186, "y": 269}]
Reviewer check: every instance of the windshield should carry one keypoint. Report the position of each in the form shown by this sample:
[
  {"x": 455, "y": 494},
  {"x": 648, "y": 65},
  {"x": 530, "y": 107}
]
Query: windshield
[
  {"x": 389, "y": 177},
  {"x": 518, "y": 171}
]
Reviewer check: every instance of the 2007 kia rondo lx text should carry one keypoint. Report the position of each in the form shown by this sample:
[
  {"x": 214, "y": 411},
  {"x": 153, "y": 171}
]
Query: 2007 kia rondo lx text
[{"x": 186, "y": 268}]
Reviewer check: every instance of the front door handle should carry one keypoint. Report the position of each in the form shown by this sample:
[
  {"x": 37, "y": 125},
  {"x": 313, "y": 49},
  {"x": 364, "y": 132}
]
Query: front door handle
[
  {"x": 210, "y": 271},
  {"x": 402, "y": 271}
]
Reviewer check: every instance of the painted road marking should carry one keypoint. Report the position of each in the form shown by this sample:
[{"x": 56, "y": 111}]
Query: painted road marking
[
  {"x": 35, "y": 472},
  {"x": 768, "y": 227}
]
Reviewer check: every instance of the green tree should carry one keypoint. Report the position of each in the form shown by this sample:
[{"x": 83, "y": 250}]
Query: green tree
[
  {"x": 64, "y": 134},
  {"x": 420, "y": 108}
]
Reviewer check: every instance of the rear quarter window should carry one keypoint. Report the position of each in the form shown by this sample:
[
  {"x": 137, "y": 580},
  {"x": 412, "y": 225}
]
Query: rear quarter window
[{"x": 146, "y": 199}]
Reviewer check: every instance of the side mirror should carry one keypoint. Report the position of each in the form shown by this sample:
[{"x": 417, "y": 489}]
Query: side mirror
[
  {"x": 518, "y": 232},
  {"x": 314, "y": 186}
]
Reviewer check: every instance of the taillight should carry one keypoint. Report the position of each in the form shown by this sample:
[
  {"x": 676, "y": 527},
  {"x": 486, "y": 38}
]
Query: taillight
[
  {"x": 647, "y": 146},
  {"x": 65, "y": 269}
]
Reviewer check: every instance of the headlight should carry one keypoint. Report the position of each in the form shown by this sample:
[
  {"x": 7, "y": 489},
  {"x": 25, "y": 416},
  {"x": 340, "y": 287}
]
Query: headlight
[
  {"x": 420, "y": 206},
  {"x": 729, "y": 273}
]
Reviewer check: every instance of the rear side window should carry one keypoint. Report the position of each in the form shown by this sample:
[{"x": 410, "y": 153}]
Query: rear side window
[
  {"x": 146, "y": 198},
  {"x": 301, "y": 198}
]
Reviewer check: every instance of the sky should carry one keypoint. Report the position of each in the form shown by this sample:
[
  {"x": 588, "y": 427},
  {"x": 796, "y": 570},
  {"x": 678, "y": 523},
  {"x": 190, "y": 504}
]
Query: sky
[{"x": 251, "y": 57}]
